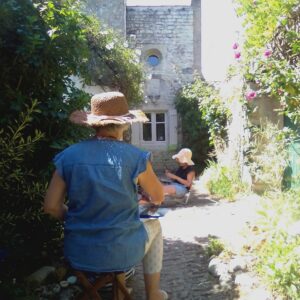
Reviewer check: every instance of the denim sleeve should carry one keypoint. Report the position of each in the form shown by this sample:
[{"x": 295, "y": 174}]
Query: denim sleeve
[
  {"x": 142, "y": 163},
  {"x": 59, "y": 164}
]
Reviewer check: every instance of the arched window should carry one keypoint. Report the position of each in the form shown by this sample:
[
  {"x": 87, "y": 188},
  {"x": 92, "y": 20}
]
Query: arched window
[
  {"x": 153, "y": 57},
  {"x": 153, "y": 60}
]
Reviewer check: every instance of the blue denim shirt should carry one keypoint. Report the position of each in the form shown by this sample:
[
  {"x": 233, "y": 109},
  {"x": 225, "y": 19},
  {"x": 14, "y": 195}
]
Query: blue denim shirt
[{"x": 103, "y": 231}]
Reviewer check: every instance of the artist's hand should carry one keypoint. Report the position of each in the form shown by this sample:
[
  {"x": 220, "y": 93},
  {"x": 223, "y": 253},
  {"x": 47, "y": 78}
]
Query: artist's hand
[
  {"x": 153, "y": 208},
  {"x": 169, "y": 174}
]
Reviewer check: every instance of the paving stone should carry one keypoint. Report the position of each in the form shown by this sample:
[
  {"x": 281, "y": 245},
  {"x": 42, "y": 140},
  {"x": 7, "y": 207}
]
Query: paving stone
[{"x": 186, "y": 230}]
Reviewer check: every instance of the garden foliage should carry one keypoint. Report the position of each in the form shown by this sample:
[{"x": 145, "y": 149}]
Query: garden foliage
[
  {"x": 268, "y": 155},
  {"x": 203, "y": 116},
  {"x": 27, "y": 237},
  {"x": 270, "y": 58},
  {"x": 223, "y": 181},
  {"x": 279, "y": 255},
  {"x": 215, "y": 247},
  {"x": 271, "y": 53}
]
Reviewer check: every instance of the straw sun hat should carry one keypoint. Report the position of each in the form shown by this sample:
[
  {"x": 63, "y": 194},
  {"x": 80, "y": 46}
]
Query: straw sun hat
[
  {"x": 108, "y": 108},
  {"x": 184, "y": 156}
]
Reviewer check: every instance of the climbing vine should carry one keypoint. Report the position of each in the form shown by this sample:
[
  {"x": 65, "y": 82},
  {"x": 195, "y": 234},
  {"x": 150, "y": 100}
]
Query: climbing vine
[{"x": 270, "y": 56}]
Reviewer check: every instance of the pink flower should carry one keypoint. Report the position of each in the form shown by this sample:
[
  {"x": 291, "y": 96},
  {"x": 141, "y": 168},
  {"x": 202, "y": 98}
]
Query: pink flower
[
  {"x": 268, "y": 53},
  {"x": 250, "y": 95},
  {"x": 237, "y": 55},
  {"x": 235, "y": 46}
]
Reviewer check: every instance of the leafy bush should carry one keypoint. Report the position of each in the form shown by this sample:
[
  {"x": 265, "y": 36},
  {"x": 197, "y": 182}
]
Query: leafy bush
[
  {"x": 270, "y": 59},
  {"x": 26, "y": 235},
  {"x": 268, "y": 155},
  {"x": 279, "y": 261},
  {"x": 223, "y": 181},
  {"x": 279, "y": 256},
  {"x": 270, "y": 56},
  {"x": 279, "y": 210},
  {"x": 43, "y": 44},
  {"x": 203, "y": 118},
  {"x": 214, "y": 247}
]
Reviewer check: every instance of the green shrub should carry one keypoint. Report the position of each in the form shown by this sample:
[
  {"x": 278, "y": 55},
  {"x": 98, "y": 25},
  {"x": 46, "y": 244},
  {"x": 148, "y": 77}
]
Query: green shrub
[
  {"x": 279, "y": 261},
  {"x": 279, "y": 209},
  {"x": 214, "y": 247},
  {"x": 268, "y": 155},
  {"x": 203, "y": 118},
  {"x": 43, "y": 44},
  {"x": 273, "y": 26},
  {"x": 27, "y": 236},
  {"x": 223, "y": 181},
  {"x": 279, "y": 256}
]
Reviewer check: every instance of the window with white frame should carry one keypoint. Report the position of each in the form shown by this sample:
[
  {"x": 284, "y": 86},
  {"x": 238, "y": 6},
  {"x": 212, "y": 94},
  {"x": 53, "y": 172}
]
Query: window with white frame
[{"x": 155, "y": 129}]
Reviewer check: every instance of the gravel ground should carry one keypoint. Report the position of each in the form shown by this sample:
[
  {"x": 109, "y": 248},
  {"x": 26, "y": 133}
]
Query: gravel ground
[{"x": 186, "y": 230}]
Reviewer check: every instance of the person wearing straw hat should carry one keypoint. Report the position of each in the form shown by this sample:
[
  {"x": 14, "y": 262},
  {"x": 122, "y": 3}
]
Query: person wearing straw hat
[
  {"x": 183, "y": 178},
  {"x": 102, "y": 228}
]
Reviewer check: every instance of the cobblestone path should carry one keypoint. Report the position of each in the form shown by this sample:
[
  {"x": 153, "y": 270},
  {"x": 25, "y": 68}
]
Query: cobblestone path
[{"x": 186, "y": 229}]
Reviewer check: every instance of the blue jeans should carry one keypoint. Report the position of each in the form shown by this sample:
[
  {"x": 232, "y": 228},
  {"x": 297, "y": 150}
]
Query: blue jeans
[{"x": 181, "y": 190}]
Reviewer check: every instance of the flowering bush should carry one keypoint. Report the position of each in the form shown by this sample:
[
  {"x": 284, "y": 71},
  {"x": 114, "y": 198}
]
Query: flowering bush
[
  {"x": 271, "y": 52},
  {"x": 250, "y": 95},
  {"x": 270, "y": 59}
]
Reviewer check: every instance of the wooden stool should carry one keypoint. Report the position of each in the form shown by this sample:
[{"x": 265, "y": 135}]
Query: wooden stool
[{"x": 90, "y": 289}]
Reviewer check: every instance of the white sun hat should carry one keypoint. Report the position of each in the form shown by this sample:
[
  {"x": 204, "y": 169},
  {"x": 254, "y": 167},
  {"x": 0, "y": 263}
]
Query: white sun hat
[{"x": 184, "y": 156}]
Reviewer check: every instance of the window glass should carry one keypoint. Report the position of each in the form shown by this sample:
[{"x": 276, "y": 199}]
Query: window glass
[
  {"x": 160, "y": 132},
  {"x": 160, "y": 117},
  {"x": 147, "y": 132},
  {"x": 155, "y": 129},
  {"x": 153, "y": 60}
]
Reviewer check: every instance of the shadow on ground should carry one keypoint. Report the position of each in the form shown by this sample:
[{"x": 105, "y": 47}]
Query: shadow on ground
[
  {"x": 185, "y": 265},
  {"x": 184, "y": 274}
]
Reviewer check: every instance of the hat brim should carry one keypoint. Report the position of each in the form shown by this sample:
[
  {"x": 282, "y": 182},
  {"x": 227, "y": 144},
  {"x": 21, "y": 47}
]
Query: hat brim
[
  {"x": 88, "y": 119},
  {"x": 184, "y": 160}
]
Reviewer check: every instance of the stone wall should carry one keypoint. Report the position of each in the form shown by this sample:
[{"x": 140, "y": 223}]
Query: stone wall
[
  {"x": 111, "y": 13},
  {"x": 172, "y": 33},
  {"x": 167, "y": 32},
  {"x": 170, "y": 30}
]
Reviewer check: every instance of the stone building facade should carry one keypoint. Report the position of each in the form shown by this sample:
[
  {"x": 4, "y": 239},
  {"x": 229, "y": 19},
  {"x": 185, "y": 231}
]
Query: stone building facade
[{"x": 168, "y": 39}]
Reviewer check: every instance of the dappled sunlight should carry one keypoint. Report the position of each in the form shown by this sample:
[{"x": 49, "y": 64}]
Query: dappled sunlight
[{"x": 204, "y": 217}]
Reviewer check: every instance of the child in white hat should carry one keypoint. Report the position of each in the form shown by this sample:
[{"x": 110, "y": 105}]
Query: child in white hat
[{"x": 183, "y": 178}]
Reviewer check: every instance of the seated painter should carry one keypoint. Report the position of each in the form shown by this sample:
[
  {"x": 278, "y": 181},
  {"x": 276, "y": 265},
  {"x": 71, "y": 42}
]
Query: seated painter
[{"x": 182, "y": 179}]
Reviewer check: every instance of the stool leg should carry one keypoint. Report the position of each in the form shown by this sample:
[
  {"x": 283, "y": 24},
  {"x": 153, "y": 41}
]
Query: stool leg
[
  {"x": 90, "y": 292},
  {"x": 120, "y": 292}
]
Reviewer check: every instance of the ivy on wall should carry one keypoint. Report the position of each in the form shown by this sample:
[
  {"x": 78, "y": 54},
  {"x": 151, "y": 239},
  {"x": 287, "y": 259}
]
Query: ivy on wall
[{"x": 204, "y": 118}]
